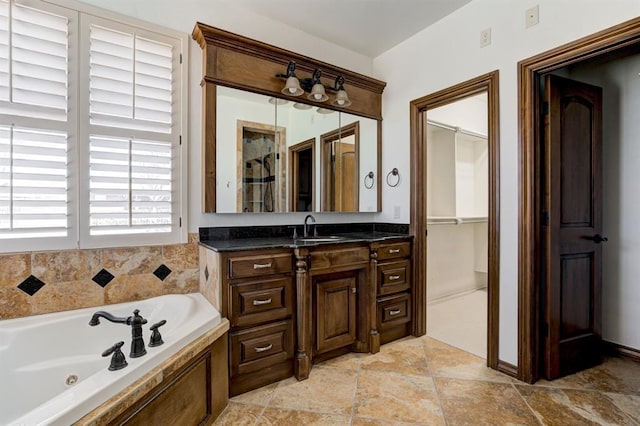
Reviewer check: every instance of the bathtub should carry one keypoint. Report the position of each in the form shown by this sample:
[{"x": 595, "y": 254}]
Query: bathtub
[{"x": 51, "y": 368}]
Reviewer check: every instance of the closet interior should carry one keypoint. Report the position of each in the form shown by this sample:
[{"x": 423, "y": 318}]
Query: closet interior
[{"x": 457, "y": 224}]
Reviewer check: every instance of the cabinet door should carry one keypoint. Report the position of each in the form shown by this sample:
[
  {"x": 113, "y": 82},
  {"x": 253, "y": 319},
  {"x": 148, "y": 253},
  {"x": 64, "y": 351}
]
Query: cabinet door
[{"x": 335, "y": 312}]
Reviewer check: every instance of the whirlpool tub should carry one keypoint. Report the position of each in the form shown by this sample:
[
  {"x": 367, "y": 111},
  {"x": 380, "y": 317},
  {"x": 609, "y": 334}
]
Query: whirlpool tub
[{"x": 51, "y": 368}]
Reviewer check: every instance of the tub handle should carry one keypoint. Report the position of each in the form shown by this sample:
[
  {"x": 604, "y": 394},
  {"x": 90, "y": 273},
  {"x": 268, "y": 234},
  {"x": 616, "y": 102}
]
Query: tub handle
[
  {"x": 394, "y": 277},
  {"x": 264, "y": 348},
  {"x": 261, "y": 302},
  {"x": 261, "y": 265},
  {"x": 394, "y": 312},
  {"x": 118, "y": 361},
  {"x": 156, "y": 338}
]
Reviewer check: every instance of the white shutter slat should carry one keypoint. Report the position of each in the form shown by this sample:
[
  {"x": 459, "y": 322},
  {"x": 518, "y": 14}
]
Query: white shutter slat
[
  {"x": 4, "y": 50},
  {"x": 39, "y": 55},
  {"x": 35, "y": 182},
  {"x": 130, "y": 186}
]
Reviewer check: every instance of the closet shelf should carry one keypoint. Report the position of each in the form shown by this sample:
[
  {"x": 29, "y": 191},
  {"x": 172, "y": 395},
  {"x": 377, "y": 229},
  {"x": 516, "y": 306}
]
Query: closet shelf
[{"x": 455, "y": 220}]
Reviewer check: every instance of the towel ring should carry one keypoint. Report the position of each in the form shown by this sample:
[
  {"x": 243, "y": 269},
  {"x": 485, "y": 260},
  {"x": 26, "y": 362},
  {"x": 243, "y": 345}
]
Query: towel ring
[
  {"x": 396, "y": 173},
  {"x": 369, "y": 176}
]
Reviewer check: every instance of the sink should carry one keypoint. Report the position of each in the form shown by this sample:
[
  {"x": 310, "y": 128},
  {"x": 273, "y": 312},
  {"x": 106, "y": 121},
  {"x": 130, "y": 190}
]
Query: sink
[{"x": 323, "y": 239}]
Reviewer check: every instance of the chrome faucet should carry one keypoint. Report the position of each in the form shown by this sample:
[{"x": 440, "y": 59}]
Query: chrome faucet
[
  {"x": 305, "y": 232},
  {"x": 135, "y": 321}
]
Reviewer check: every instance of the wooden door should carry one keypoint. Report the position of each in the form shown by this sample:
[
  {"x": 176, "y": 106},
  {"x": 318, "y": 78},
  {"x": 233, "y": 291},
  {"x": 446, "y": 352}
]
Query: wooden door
[
  {"x": 335, "y": 312},
  {"x": 572, "y": 224}
]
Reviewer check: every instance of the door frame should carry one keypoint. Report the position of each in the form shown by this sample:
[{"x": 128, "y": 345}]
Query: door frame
[
  {"x": 530, "y": 185},
  {"x": 418, "y": 219},
  {"x": 294, "y": 153}
]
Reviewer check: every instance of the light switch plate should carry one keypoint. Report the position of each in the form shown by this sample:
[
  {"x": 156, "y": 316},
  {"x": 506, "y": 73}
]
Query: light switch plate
[
  {"x": 532, "y": 16},
  {"x": 485, "y": 37}
]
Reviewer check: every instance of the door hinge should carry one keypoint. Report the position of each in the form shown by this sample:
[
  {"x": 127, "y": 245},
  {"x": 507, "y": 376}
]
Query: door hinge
[
  {"x": 180, "y": 222},
  {"x": 180, "y": 139},
  {"x": 181, "y": 58},
  {"x": 426, "y": 232},
  {"x": 545, "y": 108},
  {"x": 353, "y": 290},
  {"x": 545, "y": 218}
]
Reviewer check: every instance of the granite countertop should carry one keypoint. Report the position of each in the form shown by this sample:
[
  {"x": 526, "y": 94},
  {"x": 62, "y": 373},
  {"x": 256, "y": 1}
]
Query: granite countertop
[{"x": 235, "y": 244}]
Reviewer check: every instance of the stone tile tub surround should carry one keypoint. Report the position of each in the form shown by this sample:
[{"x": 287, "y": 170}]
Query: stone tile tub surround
[{"x": 42, "y": 282}]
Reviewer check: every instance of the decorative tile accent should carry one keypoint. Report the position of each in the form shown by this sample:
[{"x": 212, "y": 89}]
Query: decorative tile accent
[
  {"x": 162, "y": 272},
  {"x": 103, "y": 278},
  {"x": 206, "y": 273},
  {"x": 31, "y": 285}
]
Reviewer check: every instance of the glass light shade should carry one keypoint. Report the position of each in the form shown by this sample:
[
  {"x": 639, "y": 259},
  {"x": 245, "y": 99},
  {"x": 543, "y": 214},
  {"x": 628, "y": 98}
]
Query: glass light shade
[
  {"x": 301, "y": 106},
  {"x": 317, "y": 93},
  {"x": 278, "y": 101},
  {"x": 324, "y": 111},
  {"x": 342, "y": 99},
  {"x": 292, "y": 87}
]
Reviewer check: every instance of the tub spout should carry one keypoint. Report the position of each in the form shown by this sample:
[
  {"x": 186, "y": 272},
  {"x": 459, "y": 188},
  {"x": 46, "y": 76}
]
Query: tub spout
[
  {"x": 95, "y": 319},
  {"x": 135, "y": 321}
]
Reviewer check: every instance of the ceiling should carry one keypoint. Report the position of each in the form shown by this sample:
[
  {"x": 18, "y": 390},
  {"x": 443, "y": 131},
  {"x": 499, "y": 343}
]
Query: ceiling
[{"x": 369, "y": 27}]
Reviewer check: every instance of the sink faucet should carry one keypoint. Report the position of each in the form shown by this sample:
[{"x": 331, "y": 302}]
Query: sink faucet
[
  {"x": 135, "y": 321},
  {"x": 305, "y": 232}
]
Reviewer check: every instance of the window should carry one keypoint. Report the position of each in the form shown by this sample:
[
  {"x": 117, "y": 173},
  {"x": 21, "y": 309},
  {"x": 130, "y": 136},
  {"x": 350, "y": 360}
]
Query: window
[{"x": 91, "y": 123}]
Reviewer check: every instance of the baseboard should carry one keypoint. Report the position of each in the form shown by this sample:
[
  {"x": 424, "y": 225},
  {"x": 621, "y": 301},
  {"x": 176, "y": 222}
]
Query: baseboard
[
  {"x": 508, "y": 369},
  {"x": 621, "y": 350}
]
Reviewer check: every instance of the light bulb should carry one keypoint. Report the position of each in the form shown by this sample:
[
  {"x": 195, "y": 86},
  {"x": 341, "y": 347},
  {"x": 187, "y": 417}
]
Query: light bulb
[
  {"x": 340, "y": 102},
  {"x": 292, "y": 90},
  {"x": 318, "y": 96}
]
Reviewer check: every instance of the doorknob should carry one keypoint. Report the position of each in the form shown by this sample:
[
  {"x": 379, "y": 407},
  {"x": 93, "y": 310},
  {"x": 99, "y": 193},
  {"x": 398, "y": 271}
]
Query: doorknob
[{"x": 598, "y": 239}]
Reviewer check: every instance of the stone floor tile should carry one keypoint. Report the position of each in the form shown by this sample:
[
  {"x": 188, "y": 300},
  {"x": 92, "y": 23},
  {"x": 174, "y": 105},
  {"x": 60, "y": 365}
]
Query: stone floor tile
[
  {"x": 328, "y": 390},
  {"x": 284, "y": 417},
  {"x": 237, "y": 414},
  {"x": 397, "y": 398},
  {"x": 572, "y": 406},
  {"x": 473, "y": 402},
  {"x": 630, "y": 404},
  {"x": 403, "y": 357},
  {"x": 260, "y": 396}
]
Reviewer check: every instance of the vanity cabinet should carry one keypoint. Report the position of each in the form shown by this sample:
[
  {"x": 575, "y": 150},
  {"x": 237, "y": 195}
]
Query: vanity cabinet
[
  {"x": 393, "y": 284},
  {"x": 257, "y": 295},
  {"x": 292, "y": 307}
]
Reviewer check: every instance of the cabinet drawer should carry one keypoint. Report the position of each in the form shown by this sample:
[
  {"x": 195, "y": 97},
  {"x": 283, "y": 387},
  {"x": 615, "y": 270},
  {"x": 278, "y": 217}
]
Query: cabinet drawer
[
  {"x": 393, "y": 277},
  {"x": 255, "y": 266},
  {"x": 394, "y": 250},
  {"x": 393, "y": 311},
  {"x": 260, "y": 347},
  {"x": 256, "y": 302},
  {"x": 339, "y": 257}
]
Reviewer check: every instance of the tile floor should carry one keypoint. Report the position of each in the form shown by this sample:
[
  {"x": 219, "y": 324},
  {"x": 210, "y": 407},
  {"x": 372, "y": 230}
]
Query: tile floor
[
  {"x": 423, "y": 381},
  {"x": 461, "y": 321}
]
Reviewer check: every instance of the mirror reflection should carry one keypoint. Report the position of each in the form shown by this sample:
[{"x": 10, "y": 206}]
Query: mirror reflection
[{"x": 279, "y": 156}]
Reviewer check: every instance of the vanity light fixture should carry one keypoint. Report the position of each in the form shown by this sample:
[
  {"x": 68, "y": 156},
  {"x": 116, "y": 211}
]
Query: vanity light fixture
[
  {"x": 313, "y": 86},
  {"x": 342, "y": 99}
]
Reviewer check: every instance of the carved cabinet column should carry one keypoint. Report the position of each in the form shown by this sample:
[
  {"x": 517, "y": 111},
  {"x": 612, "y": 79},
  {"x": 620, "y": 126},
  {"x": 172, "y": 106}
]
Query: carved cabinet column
[
  {"x": 304, "y": 312},
  {"x": 374, "y": 336}
]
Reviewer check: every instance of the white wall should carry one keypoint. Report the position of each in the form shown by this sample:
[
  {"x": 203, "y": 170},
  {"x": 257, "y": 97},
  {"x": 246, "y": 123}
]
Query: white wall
[
  {"x": 448, "y": 53},
  {"x": 620, "y": 82},
  {"x": 182, "y": 16}
]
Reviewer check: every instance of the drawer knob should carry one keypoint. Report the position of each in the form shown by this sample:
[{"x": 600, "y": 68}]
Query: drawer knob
[
  {"x": 394, "y": 312},
  {"x": 393, "y": 251},
  {"x": 261, "y": 265},
  {"x": 261, "y": 302},
  {"x": 394, "y": 277},
  {"x": 264, "y": 348}
]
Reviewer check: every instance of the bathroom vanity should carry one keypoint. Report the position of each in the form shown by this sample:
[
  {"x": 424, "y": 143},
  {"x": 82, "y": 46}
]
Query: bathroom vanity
[{"x": 292, "y": 303}]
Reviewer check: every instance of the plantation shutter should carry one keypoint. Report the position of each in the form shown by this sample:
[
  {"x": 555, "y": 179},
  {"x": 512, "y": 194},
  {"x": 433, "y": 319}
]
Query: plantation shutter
[
  {"x": 36, "y": 133},
  {"x": 133, "y": 131}
]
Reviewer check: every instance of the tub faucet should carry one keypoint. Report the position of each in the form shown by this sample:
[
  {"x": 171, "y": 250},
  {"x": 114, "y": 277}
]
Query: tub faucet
[
  {"x": 305, "y": 232},
  {"x": 135, "y": 321}
]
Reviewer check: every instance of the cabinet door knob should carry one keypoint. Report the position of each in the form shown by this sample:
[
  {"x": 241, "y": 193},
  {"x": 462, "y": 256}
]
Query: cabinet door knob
[
  {"x": 264, "y": 348},
  {"x": 261, "y": 302},
  {"x": 261, "y": 265},
  {"x": 394, "y": 312}
]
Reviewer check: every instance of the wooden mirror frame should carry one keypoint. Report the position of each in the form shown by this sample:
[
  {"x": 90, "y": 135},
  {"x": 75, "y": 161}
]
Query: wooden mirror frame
[{"x": 242, "y": 63}]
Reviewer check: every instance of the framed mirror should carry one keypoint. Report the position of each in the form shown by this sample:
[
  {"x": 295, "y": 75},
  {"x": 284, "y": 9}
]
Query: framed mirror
[{"x": 274, "y": 155}]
